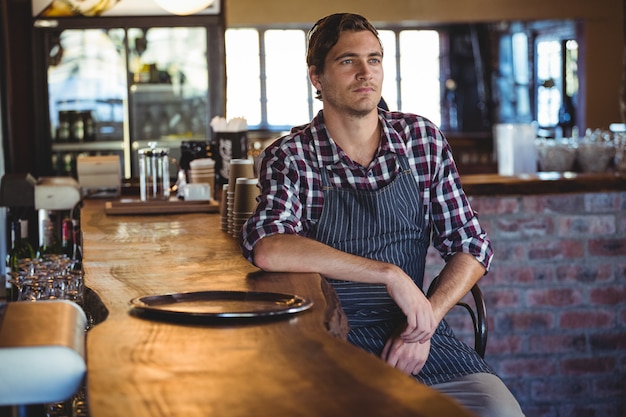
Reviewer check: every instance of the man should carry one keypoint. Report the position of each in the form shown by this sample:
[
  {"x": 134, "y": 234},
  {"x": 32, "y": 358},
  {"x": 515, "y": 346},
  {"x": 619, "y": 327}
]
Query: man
[{"x": 356, "y": 196}]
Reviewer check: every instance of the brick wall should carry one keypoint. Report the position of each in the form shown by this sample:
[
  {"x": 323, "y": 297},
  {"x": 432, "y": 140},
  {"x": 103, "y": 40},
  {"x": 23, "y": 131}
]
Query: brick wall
[{"x": 556, "y": 298}]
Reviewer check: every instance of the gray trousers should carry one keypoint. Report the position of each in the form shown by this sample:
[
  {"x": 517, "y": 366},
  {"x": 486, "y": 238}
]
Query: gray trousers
[{"x": 483, "y": 394}]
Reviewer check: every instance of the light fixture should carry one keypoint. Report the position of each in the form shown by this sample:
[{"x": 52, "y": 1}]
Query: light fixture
[{"x": 184, "y": 7}]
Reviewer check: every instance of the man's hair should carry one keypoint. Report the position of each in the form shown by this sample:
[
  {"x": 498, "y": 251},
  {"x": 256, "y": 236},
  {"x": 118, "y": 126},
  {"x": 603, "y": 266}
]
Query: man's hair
[{"x": 325, "y": 34}]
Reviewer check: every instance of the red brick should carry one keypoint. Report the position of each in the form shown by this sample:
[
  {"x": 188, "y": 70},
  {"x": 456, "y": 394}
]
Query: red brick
[
  {"x": 607, "y": 247},
  {"x": 561, "y": 203},
  {"x": 553, "y": 297},
  {"x": 559, "y": 389},
  {"x": 608, "y": 342},
  {"x": 495, "y": 205},
  {"x": 602, "y": 202},
  {"x": 608, "y": 295},
  {"x": 557, "y": 343},
  {"x": 587, "y": 366},
  {"x": 501, "y": 298},
  {"x": 586, "y": 225},
  {"x": 527, "y": 367},
  {"x": 532, "y": 321},
  {"x": 509, "y": 251},
  {"x": 621, "y": 222},
  {"x": 517, "y": 275},
  {"x": 585, "y": 273},
  {"x": 593, "y": 409},
  {"x": 460, "y": 321},
  {"x": 555, "y": 250},
  {"x": 613, "y": 385},
  {"x": 586, "y": 319},
  {"x": 501, "y": 345},
  {"x": 507, "y": 228}
]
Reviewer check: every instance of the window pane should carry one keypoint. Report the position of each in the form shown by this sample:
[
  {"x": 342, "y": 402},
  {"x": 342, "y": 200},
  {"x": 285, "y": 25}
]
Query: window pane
[
  {"x": 419, "y": 66},
  {"x": 286, "y": 77},
  {"x": 169, "y": 94},
  {"x": 520, "y": 58},
  {"x": 549, "y": 76},
  {"x": 521, "y": 75},
  {"x": 571, "y": 67},
  {"x": 390, "y": 85},
  {"x": 243, "y": 75},
  {"x": 90, "y": 76}
]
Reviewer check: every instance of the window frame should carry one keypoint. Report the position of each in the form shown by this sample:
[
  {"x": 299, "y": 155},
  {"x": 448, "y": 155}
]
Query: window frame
[{"x": 265, "y": 126}]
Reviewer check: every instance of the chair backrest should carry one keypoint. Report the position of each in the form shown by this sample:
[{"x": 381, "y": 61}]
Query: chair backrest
[{"x": 478, "y": 314}]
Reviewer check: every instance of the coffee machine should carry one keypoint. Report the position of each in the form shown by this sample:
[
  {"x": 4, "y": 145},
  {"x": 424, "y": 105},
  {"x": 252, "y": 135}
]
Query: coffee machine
[{"x": 45, "y": 201}]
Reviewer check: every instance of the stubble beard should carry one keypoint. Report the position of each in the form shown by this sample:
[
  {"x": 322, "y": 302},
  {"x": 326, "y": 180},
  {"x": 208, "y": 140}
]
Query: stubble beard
[{"x": 359, "y": 110}]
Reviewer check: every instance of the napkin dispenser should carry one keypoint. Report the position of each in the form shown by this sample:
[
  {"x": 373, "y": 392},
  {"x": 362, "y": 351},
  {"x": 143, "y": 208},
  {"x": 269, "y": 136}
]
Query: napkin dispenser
[
  {"x": 99, "y": 174},
  {"x": 56, "y": 193},
  {"x": 42, "y": 349}
]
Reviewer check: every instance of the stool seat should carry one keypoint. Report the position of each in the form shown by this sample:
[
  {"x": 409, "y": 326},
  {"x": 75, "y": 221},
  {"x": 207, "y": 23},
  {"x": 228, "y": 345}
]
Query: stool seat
[{"x": 42, "y": 349}]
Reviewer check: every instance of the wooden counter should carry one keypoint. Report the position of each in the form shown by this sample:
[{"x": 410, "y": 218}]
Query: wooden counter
[
  {"x": 542, "y": 183},
  {"x": 291, "y": 366}
]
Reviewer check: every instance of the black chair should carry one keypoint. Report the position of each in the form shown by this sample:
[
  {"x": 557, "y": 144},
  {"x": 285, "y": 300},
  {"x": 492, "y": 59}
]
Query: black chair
[{"x": 478, "y": 316}]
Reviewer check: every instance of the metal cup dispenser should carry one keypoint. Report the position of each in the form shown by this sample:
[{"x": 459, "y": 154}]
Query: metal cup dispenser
[{"x": 154, "y": 173}]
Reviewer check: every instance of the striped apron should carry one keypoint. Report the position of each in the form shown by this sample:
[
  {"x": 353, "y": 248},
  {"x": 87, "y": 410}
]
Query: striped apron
[{"x": 387, "y": 225}]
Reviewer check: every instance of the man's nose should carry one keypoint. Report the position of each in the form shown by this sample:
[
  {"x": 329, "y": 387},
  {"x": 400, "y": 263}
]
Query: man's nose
[{"x": 365, "y": 72}]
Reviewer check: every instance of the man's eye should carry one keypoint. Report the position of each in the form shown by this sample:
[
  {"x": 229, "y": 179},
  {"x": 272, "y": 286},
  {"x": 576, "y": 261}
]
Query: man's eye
[{"x": 346, "y": 61}]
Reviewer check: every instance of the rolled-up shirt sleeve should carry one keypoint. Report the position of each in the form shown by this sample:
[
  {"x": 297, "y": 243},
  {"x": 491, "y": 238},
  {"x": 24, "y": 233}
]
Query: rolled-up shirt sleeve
[
  {"x": 279, "y": 207},
  {"x": 455, "y": 224}
]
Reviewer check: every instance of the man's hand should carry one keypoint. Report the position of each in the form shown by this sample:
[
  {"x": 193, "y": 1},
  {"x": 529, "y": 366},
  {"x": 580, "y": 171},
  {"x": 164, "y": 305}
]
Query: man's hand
[
  {"x": 292, "y": 253},
  {"x": 420, "y": 318},
  {"x": 407, "y": 357}
]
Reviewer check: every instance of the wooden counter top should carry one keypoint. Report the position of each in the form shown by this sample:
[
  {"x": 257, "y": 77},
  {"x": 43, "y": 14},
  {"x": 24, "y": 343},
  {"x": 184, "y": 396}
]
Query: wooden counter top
[
  {"x": 290, "y": 366},
  {"x": 542, "y": 183}
]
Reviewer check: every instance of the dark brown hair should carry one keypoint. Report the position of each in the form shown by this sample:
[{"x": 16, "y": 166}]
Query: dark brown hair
[{"x": 325, "y": 34}]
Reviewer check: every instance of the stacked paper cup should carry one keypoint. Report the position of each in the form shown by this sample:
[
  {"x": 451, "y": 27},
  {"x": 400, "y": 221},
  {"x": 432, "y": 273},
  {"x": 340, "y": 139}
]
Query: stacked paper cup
[
  {"x": 202, "y": 171},
  {"x": 246, "y": 192},
  {"x": 224, "y": 209},
  {"x": 239, "y": 168}
]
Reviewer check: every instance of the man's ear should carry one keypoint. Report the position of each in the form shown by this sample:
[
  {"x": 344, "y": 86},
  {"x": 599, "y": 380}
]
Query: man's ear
[{"x": 315, "y": 77}]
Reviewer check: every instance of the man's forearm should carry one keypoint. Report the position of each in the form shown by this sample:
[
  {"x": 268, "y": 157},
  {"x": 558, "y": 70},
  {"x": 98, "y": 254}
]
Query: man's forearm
[
  {"x": 455, "y": 280},
  {"x": 293, "y": 253}
]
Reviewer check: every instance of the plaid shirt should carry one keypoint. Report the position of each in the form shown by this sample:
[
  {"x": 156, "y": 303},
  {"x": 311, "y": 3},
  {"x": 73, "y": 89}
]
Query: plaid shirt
[{"x": 291, "y": 190}]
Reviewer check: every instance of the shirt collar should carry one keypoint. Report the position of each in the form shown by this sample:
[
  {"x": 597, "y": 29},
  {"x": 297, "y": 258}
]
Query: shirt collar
[{"x": 391, "y": 141}]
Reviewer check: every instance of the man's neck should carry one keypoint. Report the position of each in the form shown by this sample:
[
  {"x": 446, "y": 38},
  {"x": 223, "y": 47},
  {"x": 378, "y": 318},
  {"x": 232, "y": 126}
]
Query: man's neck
[{"x": 359, "y": 137}]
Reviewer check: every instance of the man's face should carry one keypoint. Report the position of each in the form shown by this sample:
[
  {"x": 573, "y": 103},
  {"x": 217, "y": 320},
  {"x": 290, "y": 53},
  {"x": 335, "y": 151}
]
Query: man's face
[{"x": 353, "y": 74}]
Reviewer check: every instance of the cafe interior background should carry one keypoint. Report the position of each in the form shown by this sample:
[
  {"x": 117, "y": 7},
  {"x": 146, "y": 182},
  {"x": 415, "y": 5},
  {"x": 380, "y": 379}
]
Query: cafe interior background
[{"x": 138, "y": 74}]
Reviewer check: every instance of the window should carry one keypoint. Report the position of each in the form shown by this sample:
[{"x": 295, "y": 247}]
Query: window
[
  {"x": 549, "y": 77},
  {"x": 272, "y": 90},
  {"x": 243, "y": 80},
  {"x": 556, "y": 77}
]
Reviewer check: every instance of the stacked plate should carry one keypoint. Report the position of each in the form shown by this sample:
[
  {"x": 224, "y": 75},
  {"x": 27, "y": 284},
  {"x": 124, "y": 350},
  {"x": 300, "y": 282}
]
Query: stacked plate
[{"x": 202, "y": 171}]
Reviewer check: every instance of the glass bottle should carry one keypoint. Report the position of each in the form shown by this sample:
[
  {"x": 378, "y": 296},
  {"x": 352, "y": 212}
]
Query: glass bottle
[
  {"x": 20, "y": 249},
  {"x": 67, "y": 240},
  {"x": 77, "y": 249},
  {"x": 49, "y": 242}
]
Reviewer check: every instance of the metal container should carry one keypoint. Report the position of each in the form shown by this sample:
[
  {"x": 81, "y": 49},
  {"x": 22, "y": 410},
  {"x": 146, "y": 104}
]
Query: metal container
[{"x": 154, "y": 173}]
